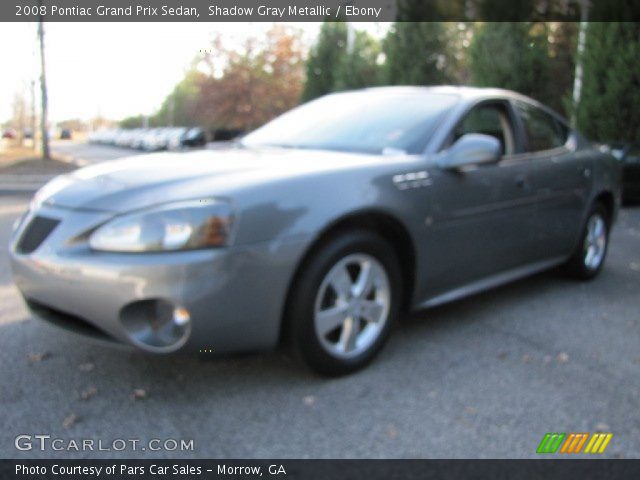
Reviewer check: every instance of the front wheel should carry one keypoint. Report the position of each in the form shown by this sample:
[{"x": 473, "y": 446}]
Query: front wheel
[
  {"x": 588, "y": 258},
  {"x": 344, "y": 303}
]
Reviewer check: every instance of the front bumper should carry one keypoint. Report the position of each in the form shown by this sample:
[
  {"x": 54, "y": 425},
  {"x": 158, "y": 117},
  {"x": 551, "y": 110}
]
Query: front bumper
[{"x": 234, "y": 296}]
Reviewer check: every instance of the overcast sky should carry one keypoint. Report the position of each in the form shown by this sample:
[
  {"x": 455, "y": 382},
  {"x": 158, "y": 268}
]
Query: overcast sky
[{"x": 111, "y": 69}]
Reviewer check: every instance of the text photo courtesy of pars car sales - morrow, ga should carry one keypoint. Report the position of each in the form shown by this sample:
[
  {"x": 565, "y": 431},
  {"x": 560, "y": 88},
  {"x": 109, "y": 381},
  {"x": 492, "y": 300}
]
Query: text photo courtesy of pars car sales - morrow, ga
[{"x": 328, "y": 239}]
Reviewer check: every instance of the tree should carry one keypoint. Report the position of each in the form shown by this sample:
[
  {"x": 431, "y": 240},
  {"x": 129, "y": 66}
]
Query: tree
[
  {"x": 512, "y": 55},
  {"x": 416, "y": 53},
  {"x": 136, "y": 121},
  {"x": 242, "y": 88},
  {"x": 608, "y": 108},
  {"x": 360, "y": 66},
  {"x": 563, "y": 44},
  {"x": 179, "y": 107},
  {"x": 325, "y": 56},
  {"x": 18, "y": 119}
]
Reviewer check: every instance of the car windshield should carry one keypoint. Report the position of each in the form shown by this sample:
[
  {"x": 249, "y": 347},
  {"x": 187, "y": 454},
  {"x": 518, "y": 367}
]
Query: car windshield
[{"x": 378, "y": 122}]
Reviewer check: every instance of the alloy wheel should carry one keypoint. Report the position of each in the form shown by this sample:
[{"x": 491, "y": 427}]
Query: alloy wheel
[
  {"x": 352, "y": 305},
  {"x": 595, "y": 241}
]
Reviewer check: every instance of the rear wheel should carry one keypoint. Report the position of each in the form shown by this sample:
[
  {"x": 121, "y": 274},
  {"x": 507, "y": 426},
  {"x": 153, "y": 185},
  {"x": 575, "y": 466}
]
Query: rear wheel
[
  {"x": 344, "y": 303},
  {"x": 588, "y": 258}
]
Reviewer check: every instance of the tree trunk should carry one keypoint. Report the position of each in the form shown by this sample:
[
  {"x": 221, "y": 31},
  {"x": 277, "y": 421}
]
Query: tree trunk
[{"x": 43, "y": 91}]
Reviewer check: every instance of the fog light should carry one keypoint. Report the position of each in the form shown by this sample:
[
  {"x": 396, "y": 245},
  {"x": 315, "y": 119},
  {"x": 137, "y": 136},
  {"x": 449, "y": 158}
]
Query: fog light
[
  {"x": 181, "y": 316},
  {"x": 156, "y": 325}
]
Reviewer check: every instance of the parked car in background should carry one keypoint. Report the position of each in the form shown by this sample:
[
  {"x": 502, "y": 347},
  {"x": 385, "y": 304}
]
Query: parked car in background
[
  {"x": 151, "y": 139},
  {"x": 320, "y": 227},
  {"x": 9, "y": 133},
  {"x": 194, "y": 137},
  {"x": 175, "y": 138},
  {"x": 65, "y": 134},
  {"x": 629, "y": 156}
]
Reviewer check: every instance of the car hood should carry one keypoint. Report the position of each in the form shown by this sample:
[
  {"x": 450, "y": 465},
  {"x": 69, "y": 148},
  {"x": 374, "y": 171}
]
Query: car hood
[{"x": 141, "y": 181}]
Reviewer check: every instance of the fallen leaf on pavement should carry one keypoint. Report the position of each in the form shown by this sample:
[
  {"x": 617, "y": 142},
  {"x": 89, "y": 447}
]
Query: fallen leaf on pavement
[
  {"x": 138, "y": 393},
  {"x": 392, "y": 431},
  {"x": 38, "y": 357},
  {"x": 70, "y": 421},
  {"x": 86, "y": 367},
  {"x": 602, "y": 427},
  {"x": 503, "y": 355},
  {"x": 88, "y": 393},
  {"x": 526, "y": 358},
  {"x": 563, "y": 357},
  {"x": 309, "y": 400}
]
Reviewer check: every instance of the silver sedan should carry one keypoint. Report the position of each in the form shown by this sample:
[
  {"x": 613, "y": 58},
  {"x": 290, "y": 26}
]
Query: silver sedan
[{"x": 319, "y": 228}]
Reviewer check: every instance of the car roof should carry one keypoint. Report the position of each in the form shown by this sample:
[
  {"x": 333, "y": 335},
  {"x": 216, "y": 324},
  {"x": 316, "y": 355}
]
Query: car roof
[
  {"x": 465, "y": 92},
  {"x": 469, "y": 94}
]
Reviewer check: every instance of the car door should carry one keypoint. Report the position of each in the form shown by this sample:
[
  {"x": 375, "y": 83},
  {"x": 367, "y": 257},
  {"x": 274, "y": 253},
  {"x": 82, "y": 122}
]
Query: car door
[
  {"x": 480, "y": 215},
  {"x": 561, "y": 177}
]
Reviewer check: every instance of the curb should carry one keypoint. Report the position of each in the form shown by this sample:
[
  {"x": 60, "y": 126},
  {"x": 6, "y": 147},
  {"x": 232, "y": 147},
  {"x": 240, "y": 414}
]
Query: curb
[{"x": 78, "y": 162}]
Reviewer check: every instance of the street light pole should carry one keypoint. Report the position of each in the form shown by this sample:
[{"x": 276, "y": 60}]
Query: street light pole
[{"x": 43, "y": 92}]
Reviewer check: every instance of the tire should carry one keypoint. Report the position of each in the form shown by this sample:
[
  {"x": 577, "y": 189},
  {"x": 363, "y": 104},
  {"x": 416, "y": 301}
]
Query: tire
[
  {"x": 336, "y": 321},
  {"x": 590, "y": 253}
]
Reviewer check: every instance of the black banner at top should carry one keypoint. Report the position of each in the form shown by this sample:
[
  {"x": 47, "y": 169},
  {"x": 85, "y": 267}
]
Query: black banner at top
[{"x": 317, "y": 10}]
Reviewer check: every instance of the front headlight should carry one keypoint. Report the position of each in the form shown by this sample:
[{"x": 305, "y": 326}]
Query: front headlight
[{"x": 176, "y": 226}]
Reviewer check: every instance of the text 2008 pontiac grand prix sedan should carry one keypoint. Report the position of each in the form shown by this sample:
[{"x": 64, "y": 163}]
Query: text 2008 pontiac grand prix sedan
[{"x": 319, "y": 228}]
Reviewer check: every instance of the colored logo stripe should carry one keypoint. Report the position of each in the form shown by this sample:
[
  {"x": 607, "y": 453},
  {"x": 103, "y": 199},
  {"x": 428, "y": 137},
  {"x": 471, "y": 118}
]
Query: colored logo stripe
[
  {"x": 574, "y": 443},
  {"x": 598, "y": 443},
  {"x": 550, "y": 443}
]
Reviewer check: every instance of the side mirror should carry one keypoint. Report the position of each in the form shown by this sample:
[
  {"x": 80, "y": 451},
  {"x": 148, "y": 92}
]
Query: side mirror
[{"x": 471, "y": 149}]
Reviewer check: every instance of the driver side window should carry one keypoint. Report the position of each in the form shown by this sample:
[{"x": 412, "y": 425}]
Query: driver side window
[{"x": 491, "y": 119}]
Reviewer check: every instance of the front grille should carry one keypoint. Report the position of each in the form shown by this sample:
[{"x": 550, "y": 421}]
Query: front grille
[{"x": 35, "y": 233}]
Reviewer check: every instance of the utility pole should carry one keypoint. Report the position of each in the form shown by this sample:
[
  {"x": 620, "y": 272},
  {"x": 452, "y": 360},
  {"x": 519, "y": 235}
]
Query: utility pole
[
  {"x": 43, "y": 91},
  {"x": 577, "y": 79}
]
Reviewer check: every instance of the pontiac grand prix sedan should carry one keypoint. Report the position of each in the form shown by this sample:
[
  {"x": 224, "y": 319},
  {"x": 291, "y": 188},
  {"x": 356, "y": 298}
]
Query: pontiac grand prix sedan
[{"x": 318, "y": 229}]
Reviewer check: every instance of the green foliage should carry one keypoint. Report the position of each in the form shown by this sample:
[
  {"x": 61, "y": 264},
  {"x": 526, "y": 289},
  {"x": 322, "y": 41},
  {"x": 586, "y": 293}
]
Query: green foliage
[
  {"x": 359, "y": 67},
  {"x": 563, "y": 39},
  {"x": 329, "y": 52},
  {"x": 609, "y": 107},
  {"x": 416, "y": 54},
  {"x": 512, "y": 55},
  {"x": 136, "y": 121},
  {"x": 178, "y": 107}
]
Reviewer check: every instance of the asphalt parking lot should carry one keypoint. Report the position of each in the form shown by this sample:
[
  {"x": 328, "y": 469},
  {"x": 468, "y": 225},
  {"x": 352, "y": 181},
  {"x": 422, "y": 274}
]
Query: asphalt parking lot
[{"x": 484, "y": 377}]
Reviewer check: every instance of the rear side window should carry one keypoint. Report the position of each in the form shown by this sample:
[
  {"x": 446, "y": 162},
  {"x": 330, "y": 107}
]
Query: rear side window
[{"x": 543, "y": 131}]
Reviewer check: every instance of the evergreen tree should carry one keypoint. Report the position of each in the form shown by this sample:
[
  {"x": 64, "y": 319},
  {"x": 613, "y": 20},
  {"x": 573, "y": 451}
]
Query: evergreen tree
[
  {"x": 360, "y": 67},
  {"x": 325, "y": 58},
  {"x": 609, "y": 108},
  {"x": 416, "y": 53},
  {"x": 512, "y": 55}
]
